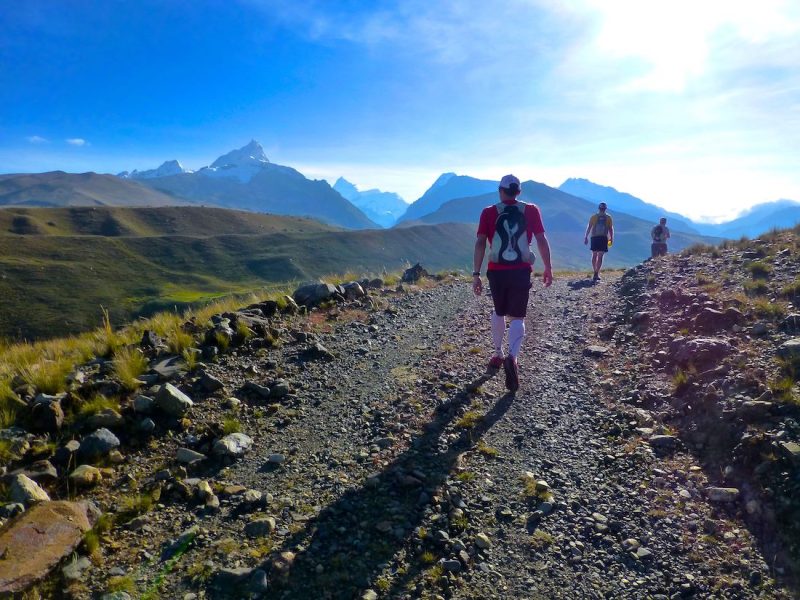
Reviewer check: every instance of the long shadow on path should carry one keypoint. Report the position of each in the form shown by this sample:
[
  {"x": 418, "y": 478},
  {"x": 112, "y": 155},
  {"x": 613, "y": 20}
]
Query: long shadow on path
[{"x": 342, "y": 550}]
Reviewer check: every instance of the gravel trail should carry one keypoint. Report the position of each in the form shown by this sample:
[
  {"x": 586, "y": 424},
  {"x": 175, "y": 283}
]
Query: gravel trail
[{"x": 398, "y": 468}]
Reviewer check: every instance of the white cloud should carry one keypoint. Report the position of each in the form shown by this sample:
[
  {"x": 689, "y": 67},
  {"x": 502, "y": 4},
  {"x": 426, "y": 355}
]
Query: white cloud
[
  {"x": 36, "y": 139},
  {"x": 76, "y": 141}
]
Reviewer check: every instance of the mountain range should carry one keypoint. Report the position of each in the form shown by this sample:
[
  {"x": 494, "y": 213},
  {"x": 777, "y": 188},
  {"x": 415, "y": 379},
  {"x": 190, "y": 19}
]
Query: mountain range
[{"x": 245, "y": 179}]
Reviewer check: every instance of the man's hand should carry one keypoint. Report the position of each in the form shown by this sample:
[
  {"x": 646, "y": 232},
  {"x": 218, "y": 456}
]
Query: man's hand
[
  {"x": 477, "y": 285},
  {"x": 547, "y": 277},
  {"x": 586, "y": 240}
]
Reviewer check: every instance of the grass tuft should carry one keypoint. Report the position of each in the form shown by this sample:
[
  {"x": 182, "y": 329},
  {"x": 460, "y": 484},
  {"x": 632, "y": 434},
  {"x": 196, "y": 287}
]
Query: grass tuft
[
  {"x": 129, "y": 363},
  {"x": 133, "y": 506},
  {"x": 231, "y": 425},
  {"x": 48, "y": 376},
  {"x": 759, "y": 269},
  {"x": 756, "y": 288},
  {"x": 97, "y": 405},
  {"x": 121, "y": 583},
  {"x": 470, "y": 419},
  {"x": 768, "y": 310},
  {"x": 178, "y": 341}
]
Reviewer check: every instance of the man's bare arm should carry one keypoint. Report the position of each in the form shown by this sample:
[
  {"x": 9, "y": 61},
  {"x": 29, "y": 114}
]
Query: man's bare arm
[
  {"x": 544, "y": 251},
  {"x": 477, "y": 262}
]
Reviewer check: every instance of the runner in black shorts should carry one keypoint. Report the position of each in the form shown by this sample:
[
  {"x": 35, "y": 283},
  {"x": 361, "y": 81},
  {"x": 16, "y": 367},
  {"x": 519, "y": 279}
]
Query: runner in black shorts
[
  {"x": 601, "y": 227},
  {"x": 509, "y": 226}
]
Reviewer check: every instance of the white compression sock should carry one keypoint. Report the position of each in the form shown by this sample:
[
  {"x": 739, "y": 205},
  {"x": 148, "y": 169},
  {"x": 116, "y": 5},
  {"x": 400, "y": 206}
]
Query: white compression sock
[
  {"x": 498, "y": 332},
  {"x": 516, "y": 332}
]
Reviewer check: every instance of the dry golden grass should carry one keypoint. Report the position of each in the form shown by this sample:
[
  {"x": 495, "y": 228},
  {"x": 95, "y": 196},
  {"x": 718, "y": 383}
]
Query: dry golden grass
[
  {"x": 129, "y": 363},
  {"x": 45, "y": 365}
]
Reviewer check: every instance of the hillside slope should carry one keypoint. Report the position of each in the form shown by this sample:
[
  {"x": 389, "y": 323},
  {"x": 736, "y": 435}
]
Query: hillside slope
[
  {"x": 57, "y": 188},
  {"x": 52, "y": 285},
  {"x": 125, "y": 221}
]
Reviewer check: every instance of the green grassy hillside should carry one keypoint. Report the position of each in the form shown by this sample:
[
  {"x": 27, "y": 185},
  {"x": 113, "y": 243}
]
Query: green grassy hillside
[
  {"x": 118, "y": 221},
  {"x": 55, "y": 284}
]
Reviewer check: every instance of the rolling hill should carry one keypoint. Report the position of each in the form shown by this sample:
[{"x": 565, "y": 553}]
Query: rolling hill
[
  {"x": 137, "y": 260},
  {"x": 57, "y": 188}
]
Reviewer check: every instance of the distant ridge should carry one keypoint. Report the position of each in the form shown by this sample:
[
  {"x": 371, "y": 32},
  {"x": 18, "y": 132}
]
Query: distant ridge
[
  {"x": 382, "y": 207},
  {"x": 57, "y": 188},
  {"x": 621, "y": 201},
  {"x": 446, "y": 187}
]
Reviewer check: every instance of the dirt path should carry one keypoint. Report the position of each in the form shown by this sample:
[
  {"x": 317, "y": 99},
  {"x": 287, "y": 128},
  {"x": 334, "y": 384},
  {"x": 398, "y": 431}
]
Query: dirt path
[{"x": 406, "y": 472}]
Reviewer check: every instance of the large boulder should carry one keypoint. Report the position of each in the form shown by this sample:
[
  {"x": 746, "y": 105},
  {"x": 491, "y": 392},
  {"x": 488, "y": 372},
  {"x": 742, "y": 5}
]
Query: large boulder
[
  {"x": 353, "y": 290},
  {"x": 173, "y": 401},
  {"x": 97, "y": 444},
  {"x": 699, "y": 351},
  {"x": 791, "y": 324},
  {"x": 47, "y": 416},
  {"x": 710, "y": 320},
  {"x": 790, "y": 349},
  {"x": 232, "y": 445},
  {"x": 37, "y": 541},
  {"x": 26, "y": 491},
  {"x": 311, "y": 294},
  {"x": 414, "y": 274}
]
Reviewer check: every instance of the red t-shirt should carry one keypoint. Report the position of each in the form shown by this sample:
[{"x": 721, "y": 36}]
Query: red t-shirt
[{"x": 533, "y": 222}]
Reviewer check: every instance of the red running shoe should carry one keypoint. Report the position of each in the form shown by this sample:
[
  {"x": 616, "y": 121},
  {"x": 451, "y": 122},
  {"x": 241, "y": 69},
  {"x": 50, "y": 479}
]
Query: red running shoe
[
  {"x": 512, "y": 373},
  {"x": 495, "y": 363}
]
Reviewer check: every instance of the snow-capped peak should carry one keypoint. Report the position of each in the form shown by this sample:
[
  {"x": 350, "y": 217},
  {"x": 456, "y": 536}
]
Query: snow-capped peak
[
  {"x": 170, "y": 167},
  {"x": 251, "y": 154}
]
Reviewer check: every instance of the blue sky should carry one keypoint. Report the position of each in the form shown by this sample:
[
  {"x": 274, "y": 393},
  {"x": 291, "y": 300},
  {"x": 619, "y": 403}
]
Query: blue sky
[{"x": 691, "y": 105}]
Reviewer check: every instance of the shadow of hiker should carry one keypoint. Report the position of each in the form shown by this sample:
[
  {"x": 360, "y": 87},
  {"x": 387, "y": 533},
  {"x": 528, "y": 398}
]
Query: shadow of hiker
[
  {"x": 580, "y": 284},
  {"x": 341, "y": 551}
]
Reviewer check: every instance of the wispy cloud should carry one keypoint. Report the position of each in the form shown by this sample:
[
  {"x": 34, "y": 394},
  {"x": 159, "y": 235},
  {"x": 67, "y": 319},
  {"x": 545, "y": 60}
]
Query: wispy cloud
[
  {"x": 76, "y": 142},
  {"x": 36, "y": 139}
]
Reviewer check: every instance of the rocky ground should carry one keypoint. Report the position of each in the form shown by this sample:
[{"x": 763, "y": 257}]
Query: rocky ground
[{"x": 376, "y": 457}]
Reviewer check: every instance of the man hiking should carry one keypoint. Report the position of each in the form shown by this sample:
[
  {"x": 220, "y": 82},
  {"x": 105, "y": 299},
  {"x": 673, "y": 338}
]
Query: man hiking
[
  {"x": 601, "y": 228},
  {"x": 660, "y": 235},
  {"x": 509, "y": 226}
]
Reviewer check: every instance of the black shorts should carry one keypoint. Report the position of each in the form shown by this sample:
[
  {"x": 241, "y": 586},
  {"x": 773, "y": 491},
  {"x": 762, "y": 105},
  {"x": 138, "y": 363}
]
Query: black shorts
[
  {"x": 658, "y": 249},
  {"x": 510, "y": 291},
  {"x": 599, "y": 243}
]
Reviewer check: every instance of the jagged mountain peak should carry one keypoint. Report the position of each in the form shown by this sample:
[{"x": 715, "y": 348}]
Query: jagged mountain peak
[
  {"x": 346, "y": 189},
  {"x": 250, "y": 154}
]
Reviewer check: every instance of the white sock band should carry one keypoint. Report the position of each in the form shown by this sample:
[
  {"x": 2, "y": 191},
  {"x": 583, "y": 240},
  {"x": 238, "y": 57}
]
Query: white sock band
[
  {"x": 516, "y": 332},
  {"x": 498, "y": 332}
]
